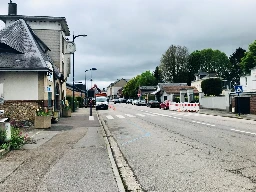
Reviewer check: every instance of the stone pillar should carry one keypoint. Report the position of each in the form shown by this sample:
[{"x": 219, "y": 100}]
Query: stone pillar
[
  {"x": 182, "y": 95},
  {"x": 190, "y": 94}
]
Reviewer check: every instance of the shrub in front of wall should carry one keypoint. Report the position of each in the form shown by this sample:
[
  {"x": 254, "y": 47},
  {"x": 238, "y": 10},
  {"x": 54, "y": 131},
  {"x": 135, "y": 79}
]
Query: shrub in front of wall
[{"x": 211, "y": 86}]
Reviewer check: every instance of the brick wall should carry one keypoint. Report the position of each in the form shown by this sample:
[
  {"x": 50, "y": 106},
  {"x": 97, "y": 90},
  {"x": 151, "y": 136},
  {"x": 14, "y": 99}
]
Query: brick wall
[{"x": 253, "y": 104}]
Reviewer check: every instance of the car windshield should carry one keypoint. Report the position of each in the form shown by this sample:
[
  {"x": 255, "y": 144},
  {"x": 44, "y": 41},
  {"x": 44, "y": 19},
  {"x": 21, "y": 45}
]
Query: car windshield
[{"x": 101, "y": 99}]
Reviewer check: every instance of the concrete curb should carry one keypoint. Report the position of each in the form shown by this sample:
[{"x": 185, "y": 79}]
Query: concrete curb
[
  {"x": 125, "y": 173},
  {"x": 230, "y": 116},
  {"x": 3, "y": 152},
  {"x": 111, "y": 157}
]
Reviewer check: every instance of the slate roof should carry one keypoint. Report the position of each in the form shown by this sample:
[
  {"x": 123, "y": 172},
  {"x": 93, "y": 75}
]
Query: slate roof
[
  {"x": 21, "y": 49},
  {"x": 176, "y": 89}
]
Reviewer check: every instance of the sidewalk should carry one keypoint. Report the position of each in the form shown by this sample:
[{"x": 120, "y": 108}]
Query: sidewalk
[
  {"x": 70, "y": 156},
  {"x": 227, "y": 114}
]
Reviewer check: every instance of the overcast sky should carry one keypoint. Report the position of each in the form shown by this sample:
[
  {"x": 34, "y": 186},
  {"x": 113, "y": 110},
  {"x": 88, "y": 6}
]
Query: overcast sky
[{"x": 128, "y": 37}]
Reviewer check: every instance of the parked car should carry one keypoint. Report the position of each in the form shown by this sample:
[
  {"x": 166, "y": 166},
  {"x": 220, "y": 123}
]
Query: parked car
[
  {"x": 134, "y": 102},
  {"x": 129, "y": 101},
  {"x": 116, "y": 101},
  {"x": 164, "y": 105},
  {"x": 122, "y": 100},
  {"x": 141, "y": 102},
  {"x": 153, "y": 104}
]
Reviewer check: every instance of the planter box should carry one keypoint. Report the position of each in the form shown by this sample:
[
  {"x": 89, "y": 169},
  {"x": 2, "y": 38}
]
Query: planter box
[
  {"x": 42, "y": 122},
  {"x": 66, "y": 113}
]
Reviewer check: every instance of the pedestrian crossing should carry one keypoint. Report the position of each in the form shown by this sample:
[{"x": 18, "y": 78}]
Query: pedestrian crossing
[{"x": 176, "y": 115}]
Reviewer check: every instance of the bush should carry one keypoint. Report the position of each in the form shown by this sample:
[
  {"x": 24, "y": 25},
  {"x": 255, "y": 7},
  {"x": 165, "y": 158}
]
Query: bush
[
  {"x": 2, "y": 136},
  {"x": 17, "y": 140},
  {"x": 70, "y": 100},
  {"x": 211, "y": 86},
  {"x": 80, "y": 101}
]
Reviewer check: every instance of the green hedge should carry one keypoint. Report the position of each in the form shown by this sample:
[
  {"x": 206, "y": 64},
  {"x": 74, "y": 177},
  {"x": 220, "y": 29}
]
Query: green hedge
[{"x": 70, "y": 101}]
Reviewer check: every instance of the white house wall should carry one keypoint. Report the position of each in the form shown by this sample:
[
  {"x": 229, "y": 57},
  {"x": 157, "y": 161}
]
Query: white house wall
[
  {"x": 197, "y": 84},
  {"x": 20, "y": 85},
  {"x": 249, "y": 82}
]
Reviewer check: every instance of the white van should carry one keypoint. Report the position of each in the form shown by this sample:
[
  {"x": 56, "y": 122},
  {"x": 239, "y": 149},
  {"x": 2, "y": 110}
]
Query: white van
[{"x": 101, "y": 103}]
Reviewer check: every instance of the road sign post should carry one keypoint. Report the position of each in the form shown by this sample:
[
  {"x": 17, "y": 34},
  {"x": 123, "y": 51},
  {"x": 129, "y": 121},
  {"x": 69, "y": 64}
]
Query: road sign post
[{"x": 239, "y": 89}]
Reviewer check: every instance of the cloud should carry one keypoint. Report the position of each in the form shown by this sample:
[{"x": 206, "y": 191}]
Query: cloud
[{"x": 126, "y": 38}]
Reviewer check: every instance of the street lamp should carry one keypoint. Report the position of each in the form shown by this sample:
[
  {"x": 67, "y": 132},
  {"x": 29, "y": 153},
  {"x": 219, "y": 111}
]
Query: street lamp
[
  {"x": 74, "y": 37},
  {"x": 92, "y": 69},
  {"x": 85, "y": 82}
]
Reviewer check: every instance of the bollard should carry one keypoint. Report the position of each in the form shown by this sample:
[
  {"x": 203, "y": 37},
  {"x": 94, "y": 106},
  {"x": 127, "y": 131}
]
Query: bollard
[
  {"x": 8, "y": 131},
  {"x": 91, "y": 108}
]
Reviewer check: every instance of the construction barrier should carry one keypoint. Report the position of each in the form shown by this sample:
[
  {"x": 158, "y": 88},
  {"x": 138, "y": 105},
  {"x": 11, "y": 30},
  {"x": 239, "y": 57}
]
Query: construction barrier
[{"x": 184, "y": 107}]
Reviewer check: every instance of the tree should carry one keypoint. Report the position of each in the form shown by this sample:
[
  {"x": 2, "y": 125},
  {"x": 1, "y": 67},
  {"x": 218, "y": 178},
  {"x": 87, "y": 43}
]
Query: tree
[
  {"x": 214, "y": 61},
  {"x": 236, "y": 70},
  {"x": 249, "y": 60},
  {"x": 131, "y": 89},
  {"x": 174, "y": 64},
  {"x": 146, "y": 79},
  {"x": 194, "y": 62},
  {"x": 212, "y": 86},
  {"x": 158, "y": 75}
]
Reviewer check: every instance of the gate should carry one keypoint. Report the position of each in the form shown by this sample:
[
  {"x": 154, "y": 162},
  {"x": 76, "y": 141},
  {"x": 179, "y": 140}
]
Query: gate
[{"x": 244, "y": 105}]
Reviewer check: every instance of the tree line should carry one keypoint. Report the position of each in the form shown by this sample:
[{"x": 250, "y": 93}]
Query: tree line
[{"x": 177, "y": 65}]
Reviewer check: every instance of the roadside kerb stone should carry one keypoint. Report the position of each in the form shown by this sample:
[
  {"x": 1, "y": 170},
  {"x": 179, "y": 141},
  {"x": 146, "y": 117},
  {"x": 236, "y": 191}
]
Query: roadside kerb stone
[{"x": 129, "y": 180}]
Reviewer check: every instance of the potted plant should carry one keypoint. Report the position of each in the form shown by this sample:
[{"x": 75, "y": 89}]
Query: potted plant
[
  {"x": 66, "y": 110},
  {"x": 43, "y": 118}
]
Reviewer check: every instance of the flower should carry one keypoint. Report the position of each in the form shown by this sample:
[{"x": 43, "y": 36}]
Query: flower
[{"x": 41, "y": 112}]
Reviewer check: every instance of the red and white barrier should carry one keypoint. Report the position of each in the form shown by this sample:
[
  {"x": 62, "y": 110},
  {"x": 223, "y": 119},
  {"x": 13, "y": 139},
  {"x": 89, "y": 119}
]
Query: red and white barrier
[{"x": 185, "y": 107}]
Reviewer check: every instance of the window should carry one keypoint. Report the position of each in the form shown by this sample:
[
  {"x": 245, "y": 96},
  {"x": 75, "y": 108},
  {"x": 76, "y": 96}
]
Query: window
[
  {"x": 245, "y": 80},
  {"x": 165, "y": 98},
  {"x": 49, "y": 99}
]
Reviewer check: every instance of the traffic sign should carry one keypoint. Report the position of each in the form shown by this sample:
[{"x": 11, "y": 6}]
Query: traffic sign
[{"x": 239, "y": 89}]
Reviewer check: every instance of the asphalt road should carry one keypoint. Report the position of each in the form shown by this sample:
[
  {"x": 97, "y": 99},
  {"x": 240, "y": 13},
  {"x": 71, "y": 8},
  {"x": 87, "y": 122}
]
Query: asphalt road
[{"x": 180, "y": 151}]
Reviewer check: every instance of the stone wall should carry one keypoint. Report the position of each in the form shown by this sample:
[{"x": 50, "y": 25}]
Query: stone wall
[{"x": 20, "y": 110}]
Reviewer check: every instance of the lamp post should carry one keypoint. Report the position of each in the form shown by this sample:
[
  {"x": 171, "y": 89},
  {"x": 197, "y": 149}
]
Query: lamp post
[
  {"x": 74, "y": 37},
  {"x": 92, "y": 69},
  {"x": 85, "y": 89}
]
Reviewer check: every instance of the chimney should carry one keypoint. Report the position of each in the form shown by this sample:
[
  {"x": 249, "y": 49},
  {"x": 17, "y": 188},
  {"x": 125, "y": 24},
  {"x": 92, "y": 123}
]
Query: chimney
[{"x": 12, "y": 9}]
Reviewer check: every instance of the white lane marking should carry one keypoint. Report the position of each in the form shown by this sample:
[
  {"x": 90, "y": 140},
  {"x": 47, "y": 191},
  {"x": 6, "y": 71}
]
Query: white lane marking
[
  {"x": 197, "y": 114},
  {"x": 150, "y": 114},
  {"x": 109, "y": 117},
  {"x": 129, "y": 115},
  {"x": 164, "y": 115},
  {"x": 141, "y": 115},
  {"x": 91, "y": 118},
  {"x": 175, "y": 117},
  {"x": 169, "y": 116},
  {"x": 179, "y": 118},
  {"x": 120, "y": 116},
  {"x": 236, "y": 130},
  {"x": 203, "y": 123}
]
